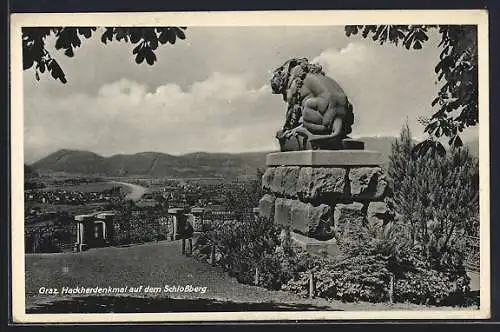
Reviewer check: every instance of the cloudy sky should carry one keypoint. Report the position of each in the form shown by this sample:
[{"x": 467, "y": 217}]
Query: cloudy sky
[{"x": 210, "y": 92}]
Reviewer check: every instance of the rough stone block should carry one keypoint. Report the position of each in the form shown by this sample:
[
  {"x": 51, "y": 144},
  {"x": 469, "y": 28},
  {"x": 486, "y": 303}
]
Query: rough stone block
[
  {"x": 377, "y": 208},
  {"x": 284, "y": 182},
  {"x": 379, "y": 214},
  {"x": 277, "y": 181},
  {"x": 348, "y": 217},
  {"x": 310, "y": 220},
  {"x": 282, "y": 212},
  {"x": 266, "y": 206},
  {"x": 267, "y": 179},
  {"x": 316, "y": 183},
  {"x": 367, "y": 183},
  {"x": 299, "y": 217},
  {"x": 316, "y": 247}
]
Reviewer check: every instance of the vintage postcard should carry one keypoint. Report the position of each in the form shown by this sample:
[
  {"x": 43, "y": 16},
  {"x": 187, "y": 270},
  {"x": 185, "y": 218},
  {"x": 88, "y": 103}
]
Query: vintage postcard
[{"x": 250, "y": 166}]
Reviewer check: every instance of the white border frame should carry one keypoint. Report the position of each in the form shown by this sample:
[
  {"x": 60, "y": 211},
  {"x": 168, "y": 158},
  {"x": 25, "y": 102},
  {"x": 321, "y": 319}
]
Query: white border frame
[{"x": 263, "y": 18}]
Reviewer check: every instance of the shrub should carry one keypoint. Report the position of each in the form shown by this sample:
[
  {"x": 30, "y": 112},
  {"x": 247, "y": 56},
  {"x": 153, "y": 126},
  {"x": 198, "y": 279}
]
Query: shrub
[
  {"x": 360, "y": 273},
  {"x": 143, "y": 227},
  {"x": 355, "y": 278},
  {"x": 243, "y": 247},
  {"x": 363, "y": 272},
  {"x": 426, "y": 286}
]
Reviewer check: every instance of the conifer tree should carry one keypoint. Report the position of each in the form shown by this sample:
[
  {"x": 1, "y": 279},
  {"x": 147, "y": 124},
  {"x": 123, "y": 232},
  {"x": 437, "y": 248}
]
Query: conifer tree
[{"x": 436, "y": 196}]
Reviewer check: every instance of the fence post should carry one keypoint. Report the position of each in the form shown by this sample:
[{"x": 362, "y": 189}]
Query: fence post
[
  {"x": 35, "y": 240},
  {"x": 311, "y": 285},
  {"x": 183, "y": 246},
  {"x": 212, "y": 255},
  {"x": 190, "y": 247},
  {"x": 391, "y": 288},
  {"x": 256, "y": 278}
]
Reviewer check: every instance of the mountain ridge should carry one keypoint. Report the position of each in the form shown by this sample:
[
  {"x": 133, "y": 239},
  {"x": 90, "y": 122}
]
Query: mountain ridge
[
  {"x": 155, "y": 164},
  {"x": 190, "y": 165}
]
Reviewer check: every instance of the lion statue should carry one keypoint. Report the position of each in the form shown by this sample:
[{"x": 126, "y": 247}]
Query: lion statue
[{"x": 319, "y": 115}]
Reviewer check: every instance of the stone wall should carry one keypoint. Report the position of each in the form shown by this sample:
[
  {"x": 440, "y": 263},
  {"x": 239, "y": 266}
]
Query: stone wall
[{"x": 323, "y": 202}]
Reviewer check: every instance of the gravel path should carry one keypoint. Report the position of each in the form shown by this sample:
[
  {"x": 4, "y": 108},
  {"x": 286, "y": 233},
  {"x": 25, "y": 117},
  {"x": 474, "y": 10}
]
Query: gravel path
[{"x": 155, "y": 265}]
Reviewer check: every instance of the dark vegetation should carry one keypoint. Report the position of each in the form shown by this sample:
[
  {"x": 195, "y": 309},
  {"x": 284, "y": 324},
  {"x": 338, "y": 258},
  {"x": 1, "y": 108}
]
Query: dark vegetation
[
  {"x": 146, "y": 39},
  {"x": 52, "y": 232},
  {"x": 135, "y": 224}
]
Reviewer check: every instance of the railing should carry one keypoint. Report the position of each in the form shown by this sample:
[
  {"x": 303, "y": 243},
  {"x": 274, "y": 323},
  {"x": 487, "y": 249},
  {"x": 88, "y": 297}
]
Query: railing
[
  {"x": 49, "y": 238},
  {"x": 67, "y": 246},
  {"x": 216, "y": 216}
]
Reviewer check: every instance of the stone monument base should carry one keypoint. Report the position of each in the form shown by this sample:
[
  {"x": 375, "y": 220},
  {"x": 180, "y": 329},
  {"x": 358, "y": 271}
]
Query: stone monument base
[
  {"x": 341, "y": 158},
  {"x": 319, "y": 142},
  {"x": 322, "y": 194}
]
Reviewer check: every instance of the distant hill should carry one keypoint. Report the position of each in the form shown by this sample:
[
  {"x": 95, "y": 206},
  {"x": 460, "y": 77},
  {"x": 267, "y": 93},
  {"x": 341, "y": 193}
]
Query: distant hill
[
  {"x": 192, "y": 165},
  {"x": 155, "y": 164},
  {"x": 72, "y": 161}
]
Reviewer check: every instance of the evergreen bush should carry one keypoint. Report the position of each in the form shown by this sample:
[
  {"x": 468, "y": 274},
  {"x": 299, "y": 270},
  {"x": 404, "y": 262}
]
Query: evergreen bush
[{"x": 437, "y": 197}]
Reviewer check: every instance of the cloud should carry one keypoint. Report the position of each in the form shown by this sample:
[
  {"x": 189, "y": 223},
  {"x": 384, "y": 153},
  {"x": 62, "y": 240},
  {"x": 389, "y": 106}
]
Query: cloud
[
  {"x": 387, "y": 85},
  {"x": 221, "y": 113},
  {"x": 236, "y": 50}
]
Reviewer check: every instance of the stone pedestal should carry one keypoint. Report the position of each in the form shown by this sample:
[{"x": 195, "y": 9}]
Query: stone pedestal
[
  {"x": 107, "y": 218},
  {"x": 320, "y": 194},
  {"x": 93, "y": 230},
  {"x": 83, "y": 224},
  {"x": 198, "y": 213}
]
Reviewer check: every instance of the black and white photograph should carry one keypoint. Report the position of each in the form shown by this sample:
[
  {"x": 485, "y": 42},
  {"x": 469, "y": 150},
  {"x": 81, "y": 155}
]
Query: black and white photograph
[{"x": 244, "y": 166}]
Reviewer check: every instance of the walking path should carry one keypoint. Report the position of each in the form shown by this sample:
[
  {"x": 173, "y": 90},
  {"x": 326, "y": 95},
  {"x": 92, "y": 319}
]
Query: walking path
[{"x": 156, "y": 265}]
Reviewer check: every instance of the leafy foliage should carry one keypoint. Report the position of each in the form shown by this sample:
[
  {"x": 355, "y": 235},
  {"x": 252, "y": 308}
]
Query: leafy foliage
[
  {"x": 135, "y": 225},
  {"x": 51, "y": 236},
  {"x": 243, "y": 247},
  {"x": 422, "y": 285},
  {"x": 146, "y": 39},
  {"x": 369, "y": 259},
  {"x": 243, "y": 198},
  {"x": 362, "y": 278},
  {"x": 457, "y": 68}
]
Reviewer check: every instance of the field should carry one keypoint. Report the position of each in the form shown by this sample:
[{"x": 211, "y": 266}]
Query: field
[
  {"x": 70, "y": 209},
  {"x": 87, "y": 187},
  {"x": 91, "y": 187}
]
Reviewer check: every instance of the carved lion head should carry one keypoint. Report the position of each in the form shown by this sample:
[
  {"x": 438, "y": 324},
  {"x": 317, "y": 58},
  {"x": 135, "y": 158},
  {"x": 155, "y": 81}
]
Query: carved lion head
[{"x": 294, "y": 66}]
